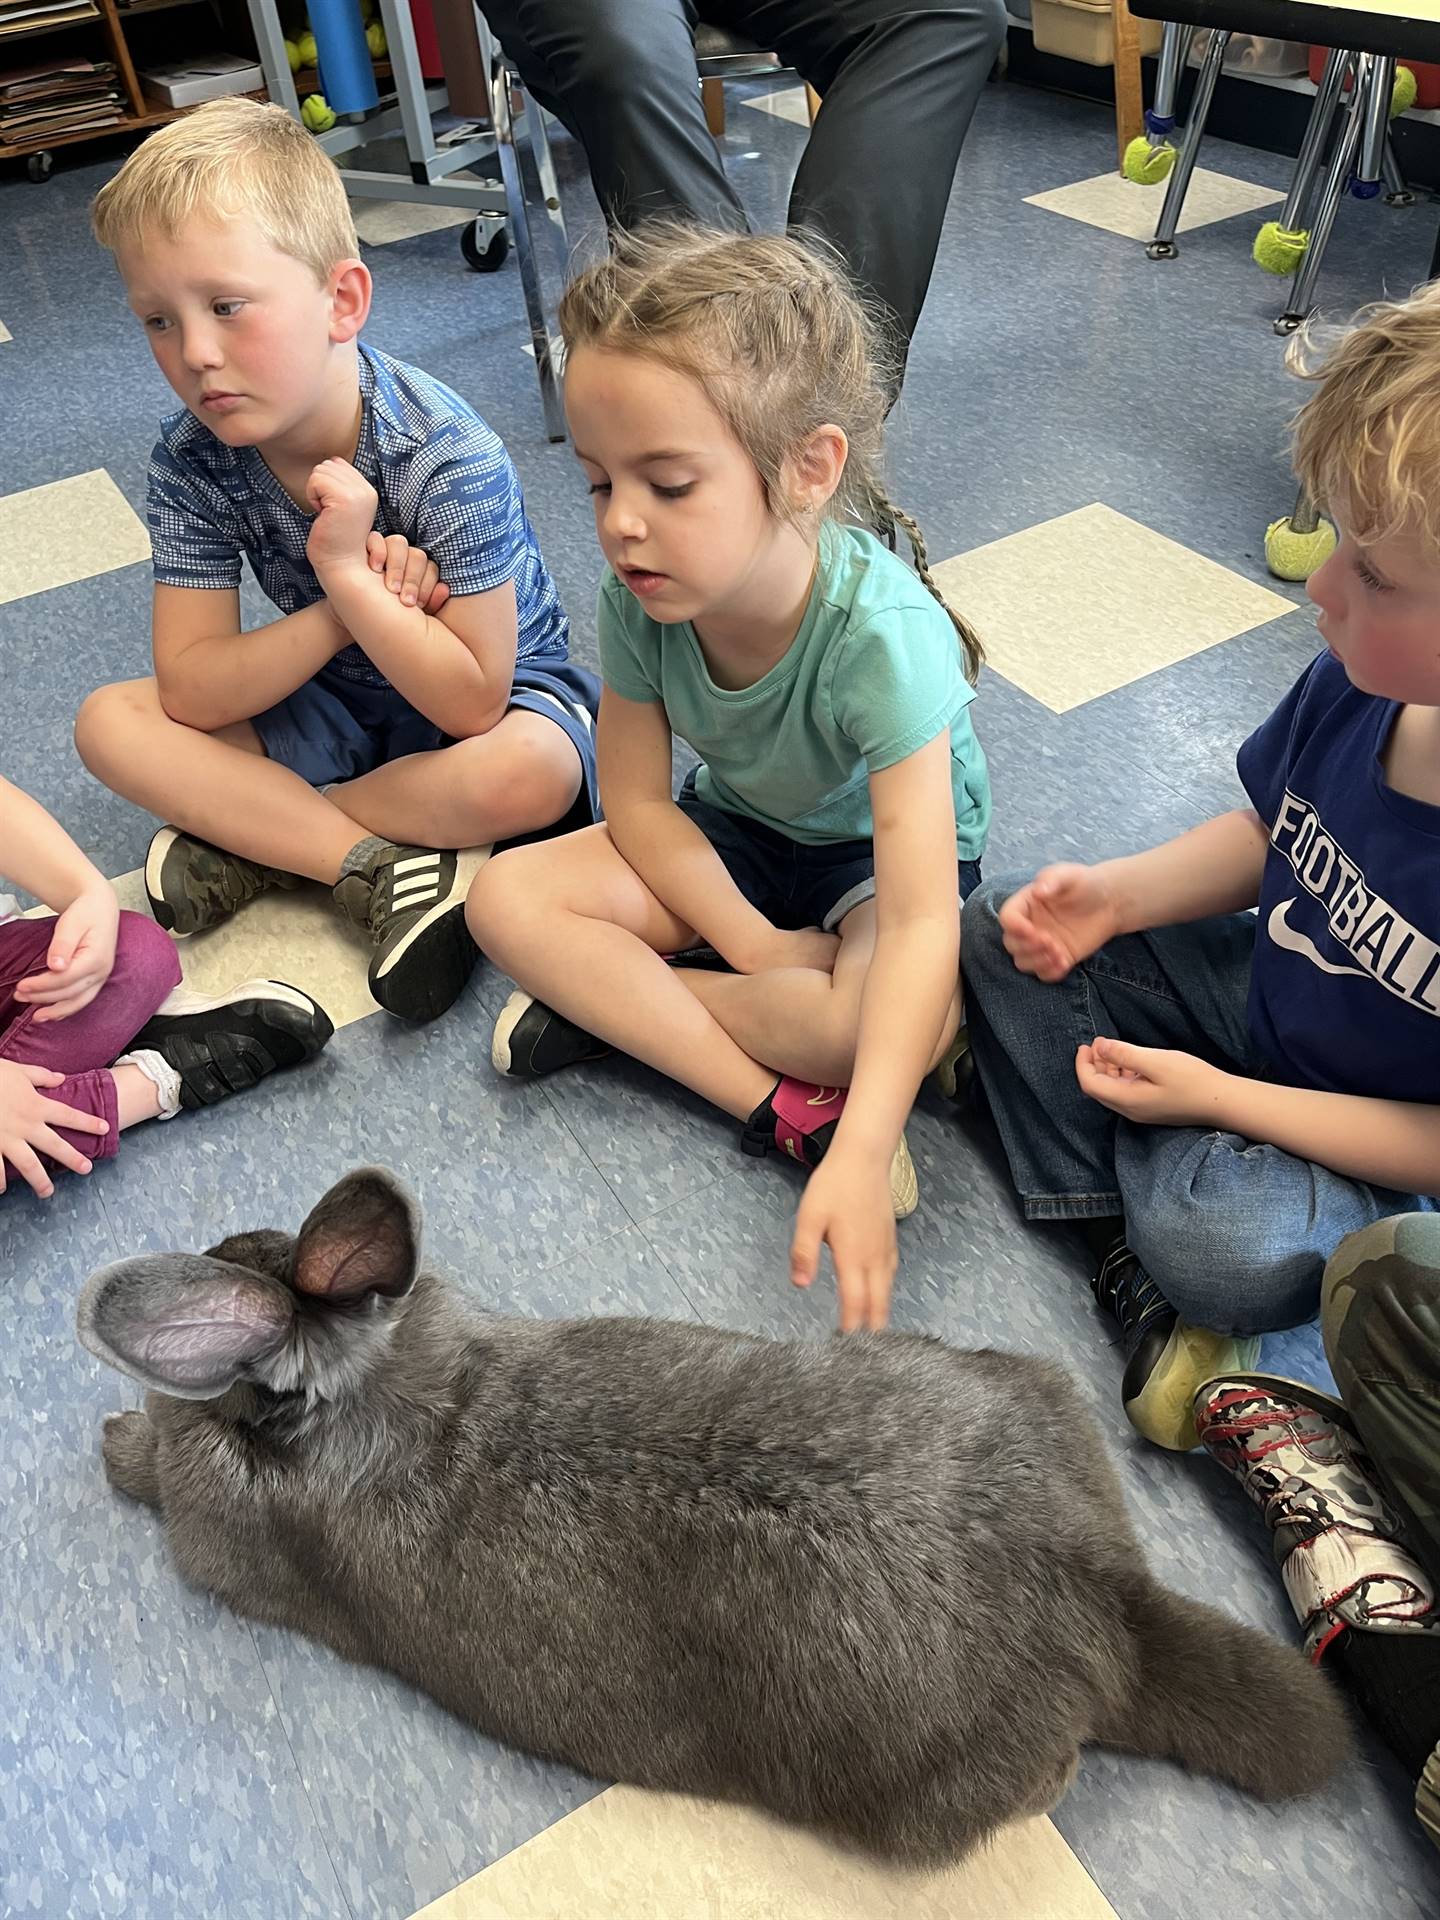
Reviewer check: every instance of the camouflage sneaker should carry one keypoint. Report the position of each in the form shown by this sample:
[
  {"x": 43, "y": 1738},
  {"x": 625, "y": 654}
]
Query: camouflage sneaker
[
  {"x": 192, "y": 885},
  {"x": 1336, "y": 1536},
  {"x": 411, "y": 903}
]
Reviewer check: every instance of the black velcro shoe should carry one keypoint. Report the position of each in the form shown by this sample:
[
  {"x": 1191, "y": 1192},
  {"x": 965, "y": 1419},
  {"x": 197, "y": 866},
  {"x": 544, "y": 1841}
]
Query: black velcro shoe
[{"x": 231, "y": 1043}]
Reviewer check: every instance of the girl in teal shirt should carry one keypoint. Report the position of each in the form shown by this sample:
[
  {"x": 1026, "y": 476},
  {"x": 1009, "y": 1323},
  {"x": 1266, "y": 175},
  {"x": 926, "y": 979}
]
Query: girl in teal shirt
[{"x": 726, "y": 398}]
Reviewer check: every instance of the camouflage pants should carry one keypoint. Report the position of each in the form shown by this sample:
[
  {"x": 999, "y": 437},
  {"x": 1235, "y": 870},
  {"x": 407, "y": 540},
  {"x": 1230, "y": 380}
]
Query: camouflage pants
[{"x": 1380, "y": 1313}]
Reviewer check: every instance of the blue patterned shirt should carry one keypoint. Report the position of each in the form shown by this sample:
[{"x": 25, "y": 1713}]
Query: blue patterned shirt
[{"x": 444, "y": 479}]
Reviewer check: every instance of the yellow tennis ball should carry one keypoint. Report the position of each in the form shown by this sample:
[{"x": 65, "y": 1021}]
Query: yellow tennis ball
[
  {"x": 1145, "y": 165},
  {"x": 308, "y": 51},
  {"x": 317, "y": 113},
  {"x": 375, "y": 40},
  {"x": 1295, "y": 556},
  {"x": 1402, "y": 96},
  {"x": 292, "y": 54},
  {"x": 1279, "y": 249}
]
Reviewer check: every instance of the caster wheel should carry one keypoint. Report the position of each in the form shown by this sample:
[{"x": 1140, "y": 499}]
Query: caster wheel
[
  {"x": 484, "y": 259},
  {"x": 40, "y": 166},
  {"x": 1404, "y": 199},
  {"x": 1162, "y": 250},
  {"x": 1289, "y": 323}
]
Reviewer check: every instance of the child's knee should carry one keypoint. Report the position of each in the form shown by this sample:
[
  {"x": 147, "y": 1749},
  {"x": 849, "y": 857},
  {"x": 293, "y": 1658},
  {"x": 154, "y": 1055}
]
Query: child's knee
[
  {"x": 982, "y": 942},
  {"x": 109, "y": 720},
  {"x": 1235, "y": 1263},
  {"x": 504, "y": 896},
  {"x": 146, "y": 962}
]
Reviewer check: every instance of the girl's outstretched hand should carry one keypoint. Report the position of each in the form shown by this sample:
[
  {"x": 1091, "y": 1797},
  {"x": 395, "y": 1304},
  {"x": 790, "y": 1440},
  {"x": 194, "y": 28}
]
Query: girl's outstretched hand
[
  {"x": 1065, "y": 914},
  {"x": 81, "y": 955},
  {"x": 847, "y": 1205}
]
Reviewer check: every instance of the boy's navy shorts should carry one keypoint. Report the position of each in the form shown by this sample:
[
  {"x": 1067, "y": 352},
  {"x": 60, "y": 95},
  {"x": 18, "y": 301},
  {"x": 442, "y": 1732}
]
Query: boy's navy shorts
[{"x": 334, "y": 728}]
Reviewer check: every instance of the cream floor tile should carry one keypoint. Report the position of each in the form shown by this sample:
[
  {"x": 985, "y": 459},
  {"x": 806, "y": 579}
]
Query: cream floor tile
[
  {"x": 5, "y": 333},
  {"x": 785, "y": 103},
  {"x": 1117, "y": 205},
  {"x": 629, "y": 1855},
  {"x": 298, "y": 937},
  {"x": 1078, "y": 606},
  {"x": 378, "y": 222},
  {"x": 69, "y": 530}
]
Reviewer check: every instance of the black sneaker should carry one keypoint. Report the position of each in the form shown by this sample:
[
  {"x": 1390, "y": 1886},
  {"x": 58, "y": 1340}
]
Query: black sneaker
[
  {"x": 411, "y": 903},
  {"x": 1167, "y": 1360},
  {"x": 229, "y": 1044},
  {"x": 530, "y": 1040},
  {"x": 192, "y": 885}
]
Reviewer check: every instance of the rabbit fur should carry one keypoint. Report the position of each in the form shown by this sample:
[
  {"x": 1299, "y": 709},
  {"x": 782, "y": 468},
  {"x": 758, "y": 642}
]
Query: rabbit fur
[{"x": 873, "y": 1584}]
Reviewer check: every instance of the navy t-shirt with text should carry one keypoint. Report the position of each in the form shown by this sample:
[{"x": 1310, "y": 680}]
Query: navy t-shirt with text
[{"x": 1345, "y": 990}]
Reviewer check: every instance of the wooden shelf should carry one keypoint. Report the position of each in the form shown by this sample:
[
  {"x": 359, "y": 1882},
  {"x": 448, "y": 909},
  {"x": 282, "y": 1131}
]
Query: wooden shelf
[
  {"x": 96, "y": 19},
  {"x": 154, "y": 6},
  {"x": 128, "y": 123},
  {"x": 140, "y": 115}
]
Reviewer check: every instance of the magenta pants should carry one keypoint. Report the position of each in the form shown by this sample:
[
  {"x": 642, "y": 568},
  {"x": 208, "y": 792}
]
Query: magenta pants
[{"x": 146, "y": 968}]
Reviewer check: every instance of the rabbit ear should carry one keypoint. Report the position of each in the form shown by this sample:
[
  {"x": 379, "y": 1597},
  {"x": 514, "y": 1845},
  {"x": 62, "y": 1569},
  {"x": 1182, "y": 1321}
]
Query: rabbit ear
[
  {"x": 183, "y": 1323},
  {"x": 362, "y": 1238}
]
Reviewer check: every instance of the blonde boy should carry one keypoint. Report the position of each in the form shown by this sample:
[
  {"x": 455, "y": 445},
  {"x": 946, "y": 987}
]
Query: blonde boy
[
  {"x": 1221, "y": 1097},
  {"x": 416, "y": 695}
]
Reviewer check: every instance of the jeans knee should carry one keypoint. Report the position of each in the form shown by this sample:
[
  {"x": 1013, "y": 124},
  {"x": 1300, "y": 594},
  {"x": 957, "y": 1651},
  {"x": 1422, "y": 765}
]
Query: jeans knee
[
  {"x": 1217, "y": 1264},
  {"x": 982, "y": 941}
]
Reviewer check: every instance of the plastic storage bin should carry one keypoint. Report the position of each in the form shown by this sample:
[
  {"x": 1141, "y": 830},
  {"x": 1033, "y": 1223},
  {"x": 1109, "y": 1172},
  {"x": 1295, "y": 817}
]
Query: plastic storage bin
[{"x": 1084, "y": 30}]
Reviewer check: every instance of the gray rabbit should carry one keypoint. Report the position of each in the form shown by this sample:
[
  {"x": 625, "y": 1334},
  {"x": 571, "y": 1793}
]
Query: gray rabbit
[{"x": 872, "y": 1584}]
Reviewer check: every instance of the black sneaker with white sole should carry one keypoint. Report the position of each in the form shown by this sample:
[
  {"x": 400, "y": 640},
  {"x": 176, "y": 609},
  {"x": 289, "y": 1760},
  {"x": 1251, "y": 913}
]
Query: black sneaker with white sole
[
  {"x": 230, "y": 1043},
  {"x": 192, "y": 885},
  {"x": 531, "y": 1040},
  {"x": 412, "y": 904}
]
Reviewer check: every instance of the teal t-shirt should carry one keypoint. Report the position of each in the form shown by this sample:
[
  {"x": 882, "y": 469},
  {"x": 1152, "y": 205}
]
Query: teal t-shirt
[{"x": 873, "y": 675}]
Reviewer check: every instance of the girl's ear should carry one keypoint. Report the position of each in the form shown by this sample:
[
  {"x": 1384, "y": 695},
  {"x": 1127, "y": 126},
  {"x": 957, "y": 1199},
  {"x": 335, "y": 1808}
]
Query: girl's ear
[{"x": 813, "y": 471}]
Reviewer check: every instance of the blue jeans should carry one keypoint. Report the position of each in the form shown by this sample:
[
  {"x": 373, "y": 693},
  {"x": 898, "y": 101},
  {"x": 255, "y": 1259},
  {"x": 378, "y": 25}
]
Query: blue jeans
[{"x": 1236, "y": 1234}]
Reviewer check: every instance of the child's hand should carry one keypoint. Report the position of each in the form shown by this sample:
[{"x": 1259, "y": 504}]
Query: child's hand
[
  {"x": 27, "y": 1126},
  {"x": 1065, "y": 914},
  {"x": 809, "y": 947},
  {"x": 847, "y": 1204},
  {"x": 409, "y": 571},
  {"x": 345, "y": 504},
  {"x": 1155, "y": 1085},
  {"x": 80, "y": 957}
]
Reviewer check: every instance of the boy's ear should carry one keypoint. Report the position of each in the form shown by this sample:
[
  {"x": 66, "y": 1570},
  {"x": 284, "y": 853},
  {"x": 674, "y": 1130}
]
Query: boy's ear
[
  {"x": 350, "y": 289},
  {"x": 815, "y": 467}
]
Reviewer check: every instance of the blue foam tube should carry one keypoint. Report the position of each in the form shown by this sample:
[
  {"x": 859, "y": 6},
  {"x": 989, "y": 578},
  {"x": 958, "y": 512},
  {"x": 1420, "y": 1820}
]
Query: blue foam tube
[{"x": 347, "y": 78}]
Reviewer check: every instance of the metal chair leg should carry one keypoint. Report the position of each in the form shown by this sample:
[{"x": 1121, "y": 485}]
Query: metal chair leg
[
  {"x": 542, "y": 163},
  {"x": 1317, "y": 130},
  {"x": 1163, "y": 247},
  {"x": 518, "y": 210},
  {"x": 1341, "y": 161}
]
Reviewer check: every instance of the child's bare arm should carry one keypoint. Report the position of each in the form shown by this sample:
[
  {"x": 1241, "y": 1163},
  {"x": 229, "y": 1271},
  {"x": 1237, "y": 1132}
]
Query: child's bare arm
[
  {"x": 39, "y": 855},
  {"x": 1068, "y": 912},
  {"x": 1390, "y": 1143},
  {"x": 669, "y": 852},
  {"x": 210, "y": 674},
  {"x": 455, "y": 668}
]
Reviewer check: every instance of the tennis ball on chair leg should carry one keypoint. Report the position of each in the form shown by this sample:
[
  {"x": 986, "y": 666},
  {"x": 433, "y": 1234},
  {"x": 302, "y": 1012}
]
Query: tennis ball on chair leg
[
  {"x": 317, "y": 113},
  {"x": 1402, "y": 95},
  {"x": 1280, "y": 249},
  {"x": 1145, "y": 165},
  {"x": 308, "y": 51},
  {"x": 1295, "y": 556}
]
